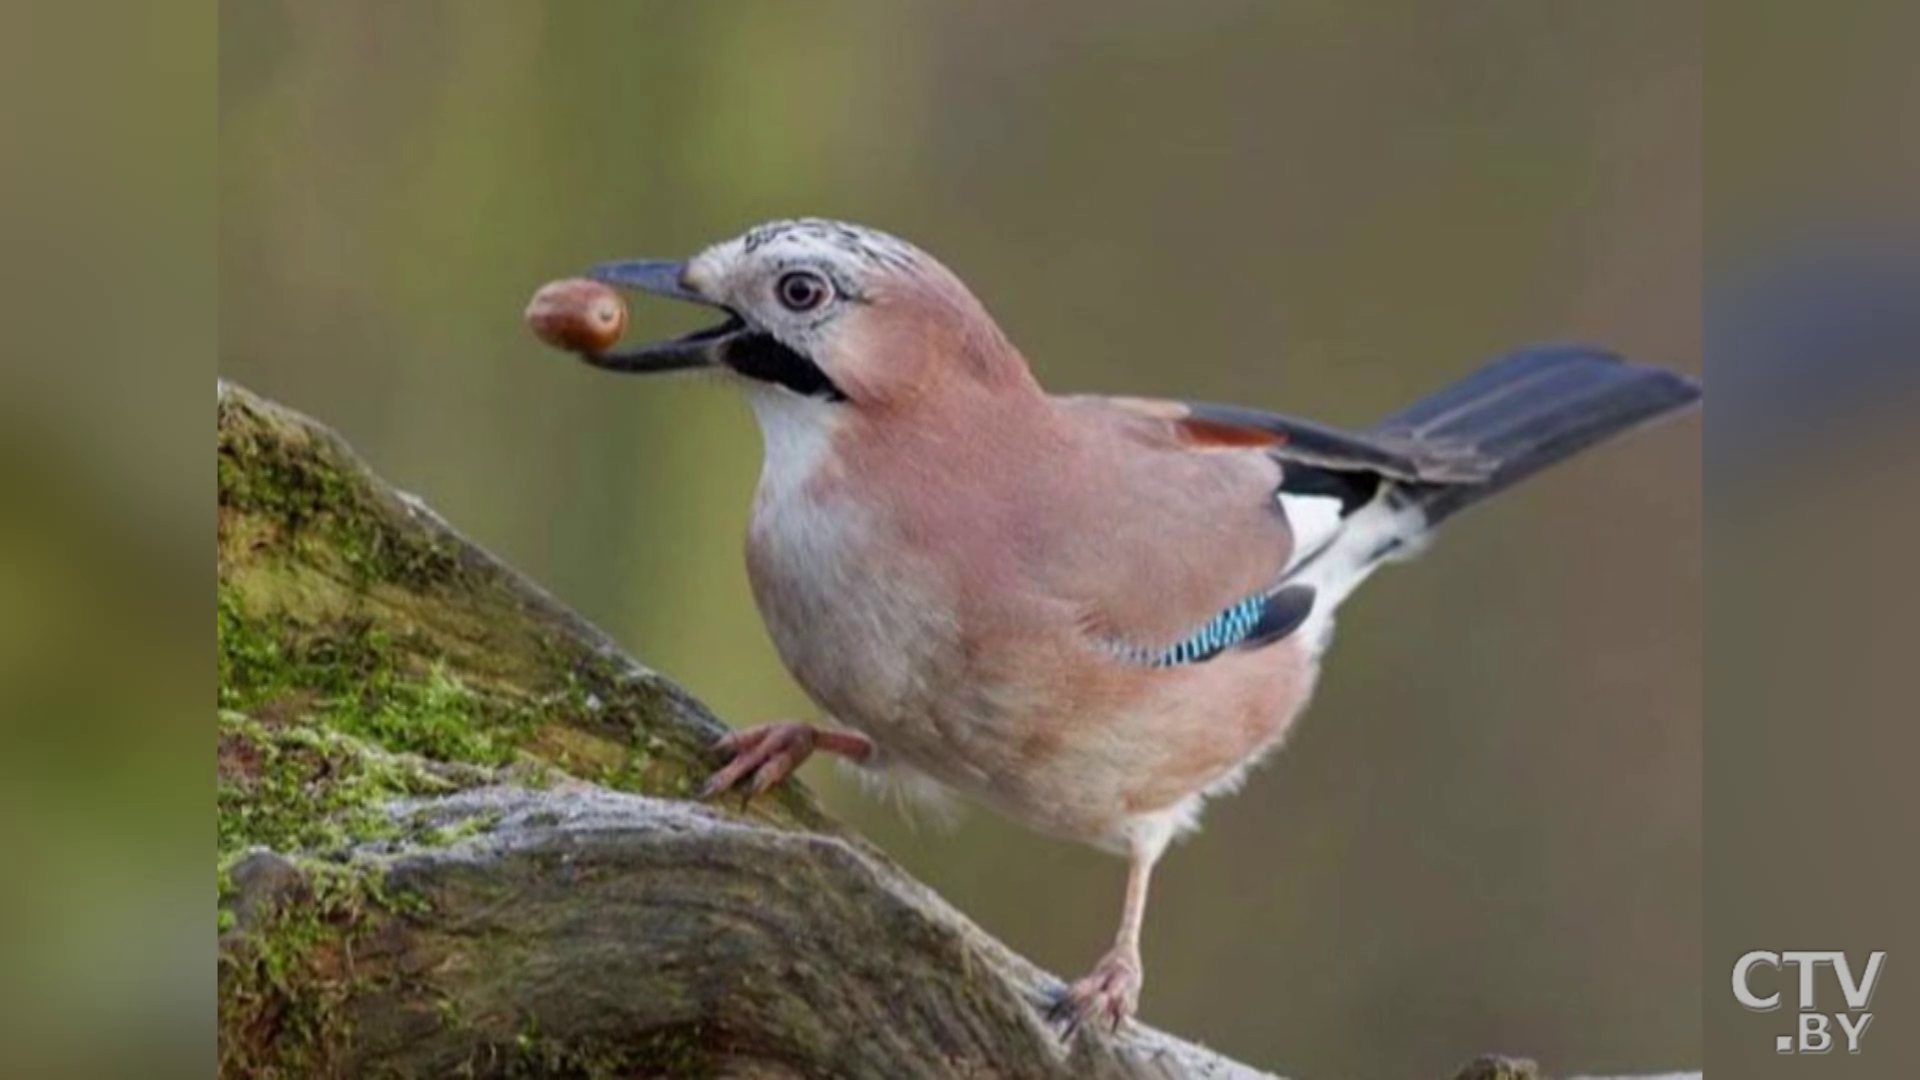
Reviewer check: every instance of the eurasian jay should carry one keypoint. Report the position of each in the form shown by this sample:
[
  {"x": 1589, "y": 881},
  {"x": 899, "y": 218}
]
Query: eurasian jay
[{"x": 1090, "y": 613}]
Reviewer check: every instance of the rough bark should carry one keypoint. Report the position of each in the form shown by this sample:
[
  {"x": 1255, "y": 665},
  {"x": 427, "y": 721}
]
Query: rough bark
[{"x": 454, "y": 838}]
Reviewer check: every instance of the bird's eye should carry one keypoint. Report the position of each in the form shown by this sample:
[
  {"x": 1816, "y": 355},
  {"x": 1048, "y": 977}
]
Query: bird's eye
[{"x": 802, "y": 290}]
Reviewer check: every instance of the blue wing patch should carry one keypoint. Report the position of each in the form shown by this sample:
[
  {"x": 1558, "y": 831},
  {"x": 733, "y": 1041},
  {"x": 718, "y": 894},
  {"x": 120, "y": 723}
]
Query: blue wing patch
[{"x": 1257, "y": 620}]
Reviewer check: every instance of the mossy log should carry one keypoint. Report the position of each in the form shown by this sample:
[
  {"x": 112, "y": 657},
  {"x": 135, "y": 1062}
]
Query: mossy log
[{"x": 455, "y": 838}]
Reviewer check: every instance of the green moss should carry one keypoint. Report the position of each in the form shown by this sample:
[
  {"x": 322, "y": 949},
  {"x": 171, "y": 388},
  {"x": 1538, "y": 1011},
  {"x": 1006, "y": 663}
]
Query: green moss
[
  {"x": 442, "y": 835},
  {"x": 301, "y": 483},
  {"x": 435, "y": 716},
  {"x": 353, "y": 676},
  {"x": 225, "y": 894},
  {"x": 342, "y": 607},
  {"x": 321, "y": 708},
  {"x": 283, "y": 986},
  {"x": 340, "y": 604},
  {"x": 361, "y": 658},
  {"x": 298, "y": 788}
]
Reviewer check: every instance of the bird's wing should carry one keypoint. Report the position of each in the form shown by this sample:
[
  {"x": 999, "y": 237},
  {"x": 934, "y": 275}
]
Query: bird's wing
[
  {"x": 1165, "y": 533},
  {"x": 1204, "y": 509},
  {"x": 1327, "y": 474},
  {"x": 1205, "y": 426}
]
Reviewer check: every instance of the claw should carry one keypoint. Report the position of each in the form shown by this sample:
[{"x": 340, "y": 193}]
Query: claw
[
  {"x": 729, "y": 774},
  {"x": 1062, "y": 1015},
  {"x": 762, "y": 756},
  {"x": 764, "y": 777},
  {"x": 770, "y": 753},
  {"x": 740, "y": 742},
  {"x": 1111, "y": 993}
]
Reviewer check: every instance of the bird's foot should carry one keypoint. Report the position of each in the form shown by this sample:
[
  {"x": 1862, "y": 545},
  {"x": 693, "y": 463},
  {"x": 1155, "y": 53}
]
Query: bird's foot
[
  {"x": 1110, "y": 995},
  {"x": 770, "y": 753}
]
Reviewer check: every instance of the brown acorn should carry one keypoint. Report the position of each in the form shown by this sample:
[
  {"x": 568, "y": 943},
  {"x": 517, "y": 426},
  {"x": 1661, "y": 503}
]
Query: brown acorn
[{"x": 577, "y": 315}]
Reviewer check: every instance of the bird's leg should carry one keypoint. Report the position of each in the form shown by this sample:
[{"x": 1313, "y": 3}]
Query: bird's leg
[
  {"x": 1111, "y": 993},
  {"x": 771, "y": 752}
]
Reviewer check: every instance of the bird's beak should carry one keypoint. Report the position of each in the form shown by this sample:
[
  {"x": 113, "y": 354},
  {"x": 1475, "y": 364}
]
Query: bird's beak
[
  {"x": 733, "y": 344},
  {"x": 666, "y": 277}
]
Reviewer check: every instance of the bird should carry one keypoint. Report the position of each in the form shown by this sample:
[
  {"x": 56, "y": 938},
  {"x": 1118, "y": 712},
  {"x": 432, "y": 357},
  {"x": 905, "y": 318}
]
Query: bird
[{"x": 1089, "y": 613}]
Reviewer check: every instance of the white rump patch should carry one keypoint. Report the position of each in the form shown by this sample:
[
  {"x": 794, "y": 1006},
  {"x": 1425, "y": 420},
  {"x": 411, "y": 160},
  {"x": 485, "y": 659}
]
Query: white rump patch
[
  {"x": 1379, "y": 532},
  {"x": 1315, "y": 521}
]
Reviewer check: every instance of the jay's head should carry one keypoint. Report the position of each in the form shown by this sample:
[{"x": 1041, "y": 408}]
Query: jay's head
[{"x": 825, "y": 310}]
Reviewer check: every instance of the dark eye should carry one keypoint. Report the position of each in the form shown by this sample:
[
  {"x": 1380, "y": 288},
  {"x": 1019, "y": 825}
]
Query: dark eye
[{"x": 802, "y": 290}]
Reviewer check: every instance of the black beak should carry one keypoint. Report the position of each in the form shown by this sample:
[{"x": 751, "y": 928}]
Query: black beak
[
  {"x": 733, "y": 344},
  {"x": 665, "y": 277}
]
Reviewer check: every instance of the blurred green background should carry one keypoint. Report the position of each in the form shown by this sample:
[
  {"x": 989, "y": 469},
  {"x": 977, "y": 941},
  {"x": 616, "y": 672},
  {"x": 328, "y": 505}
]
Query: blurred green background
[
  {"x": 107, "y": 175},
  {"x": 1487, "y": 833}
]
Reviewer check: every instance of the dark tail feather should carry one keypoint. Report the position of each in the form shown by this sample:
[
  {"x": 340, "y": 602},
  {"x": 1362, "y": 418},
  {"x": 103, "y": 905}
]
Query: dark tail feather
[{"x": 1531, "y": 409}]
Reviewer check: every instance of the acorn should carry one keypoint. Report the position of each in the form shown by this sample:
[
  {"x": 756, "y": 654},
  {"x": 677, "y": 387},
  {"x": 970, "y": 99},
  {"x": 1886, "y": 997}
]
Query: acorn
[{"x": 578, "y": 315}]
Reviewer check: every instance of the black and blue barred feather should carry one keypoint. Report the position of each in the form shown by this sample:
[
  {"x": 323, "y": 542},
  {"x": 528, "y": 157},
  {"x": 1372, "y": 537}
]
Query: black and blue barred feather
[{"x": 1257, "y": 620}]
